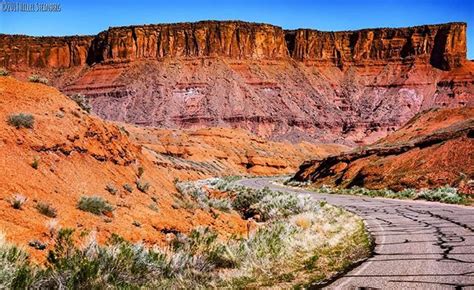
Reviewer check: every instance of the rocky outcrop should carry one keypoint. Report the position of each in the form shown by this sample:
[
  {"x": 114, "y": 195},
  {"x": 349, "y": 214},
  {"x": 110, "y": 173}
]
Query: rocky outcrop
[
  {"x": 352, "y": 86},
  {"x": 444, "y": 46},
  {"x": 232, "y": 39},
  {"x": 419, "y": 155},
  {"x": 21, "y": 52}
]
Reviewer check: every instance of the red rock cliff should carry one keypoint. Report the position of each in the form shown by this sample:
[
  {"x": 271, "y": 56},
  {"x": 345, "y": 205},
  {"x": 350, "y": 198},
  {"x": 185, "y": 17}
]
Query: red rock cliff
[
  {"x": 444, "y": 46},
  {"x": 237, "y": 39},
  {"x": 19, "y": 51}
]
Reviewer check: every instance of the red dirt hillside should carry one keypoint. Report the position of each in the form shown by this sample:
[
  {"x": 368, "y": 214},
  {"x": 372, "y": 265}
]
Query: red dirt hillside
[
  {"x": 433, "y": 149},
  {"x": 79, "y": 154}
]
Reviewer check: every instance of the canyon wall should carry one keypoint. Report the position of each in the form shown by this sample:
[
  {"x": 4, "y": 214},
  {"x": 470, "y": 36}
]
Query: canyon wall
[
  {"x": 350, "y": 86},
  {"x": 444, "y": 46}
]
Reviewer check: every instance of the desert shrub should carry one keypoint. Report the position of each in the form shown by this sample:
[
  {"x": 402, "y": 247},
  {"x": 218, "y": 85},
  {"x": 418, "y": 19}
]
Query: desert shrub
[
  {"x": 140, "y": 172},
  {"x": 94, "y": 204},
  {"x": 111, "y": 189},
  {"x": 143, "y": 186},
  {"x": 21, "y": 120},
  {"x": 17, "y": 201},
  {"x": 35, "y": 163},
  {"x": 15, "y": 268},
  {"x": 3, "y": 72},
  {"x": 128, "y": 187},
  {"x": 246, "y": 197},
  {"x": 46, "y": 209},
  {"x": 153, "y": 207},
  {"x": 198, "y": 193},
  {"x": 222, "y": 204},
  {"x": 38, "y": 79},
  {"x": 82, "y": 102},
  {"x": 37, "y": 244},
  {"x": 275, "y": 205},
  {"x": 442, "y": 194}
]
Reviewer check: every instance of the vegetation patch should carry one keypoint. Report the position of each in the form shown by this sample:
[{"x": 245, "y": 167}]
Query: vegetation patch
[
  {"x": 82, "y": 102},
  {"x": 301, "y": 241},
  {"x": 94, "y": 204},
  {"x": 17, "y": 201},
  {"x": 38, "y": 79},
  {"x": 46, "y": 209},
  {"x": 21, "y": 120},
  {"x": 442, "y": 194}
]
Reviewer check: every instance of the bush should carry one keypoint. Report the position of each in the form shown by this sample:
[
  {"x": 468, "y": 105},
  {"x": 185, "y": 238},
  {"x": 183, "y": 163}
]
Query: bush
[
  {"x": 3, "y": 72},
  {"x": 21, "y": 120},
  {"x": 82, "y": 102},
  {"x": 142, "y": 185},
  {"x": 35, "y": 163},
  {"x": 94, "y": 204},
  {"x": 17, "y": 201},
  {"x": 128, "y": 187},
  {"x": 110, "y": 188},
  {"x": 38, "y": 79},
  {"x": 46, "y": 209},
  {"x": 443, "y": 194},
  {"x": 15, "y": 268}
]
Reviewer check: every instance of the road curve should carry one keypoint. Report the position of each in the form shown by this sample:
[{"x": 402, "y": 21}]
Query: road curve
[{"x": 418, "y": 244}]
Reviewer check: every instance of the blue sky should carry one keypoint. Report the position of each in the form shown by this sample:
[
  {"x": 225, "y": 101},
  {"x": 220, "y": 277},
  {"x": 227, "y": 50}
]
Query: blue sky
[{"x": 91, "y": 17}]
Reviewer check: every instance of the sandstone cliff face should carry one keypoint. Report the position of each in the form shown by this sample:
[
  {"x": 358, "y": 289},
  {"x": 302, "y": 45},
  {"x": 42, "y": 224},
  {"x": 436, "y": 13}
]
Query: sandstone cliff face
[
  {"x": 351, "y": 87},
  {"x": 444, "y": 46},
  {"x": 237, "y": 40},
  {"x": 20, "y": 52}
]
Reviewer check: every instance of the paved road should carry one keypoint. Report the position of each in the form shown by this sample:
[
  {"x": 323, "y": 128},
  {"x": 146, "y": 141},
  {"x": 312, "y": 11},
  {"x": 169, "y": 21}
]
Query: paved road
[{"x": 418, "y": 245}]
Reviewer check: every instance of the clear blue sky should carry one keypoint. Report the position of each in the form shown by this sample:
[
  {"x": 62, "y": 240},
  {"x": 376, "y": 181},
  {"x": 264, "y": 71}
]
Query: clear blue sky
[{"x": 91, "y": 17}]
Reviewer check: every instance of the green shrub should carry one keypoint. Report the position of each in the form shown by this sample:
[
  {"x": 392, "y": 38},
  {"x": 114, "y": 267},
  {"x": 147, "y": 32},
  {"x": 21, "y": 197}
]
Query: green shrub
[
  {"x": 37, "y": 244},
  {"x": 142, "y": 185},
  {"x": 38, "y": 79},
  {"x": 15, "y": 268},
  {"x": 442, "y": 194},
  {"x": 111, "y": 188},
  {"x": 128, "y": 187},
  {"x": 35, "y": 163},
  {"x": 82, "y": 102},
  {"x": 17, "y": 201},
  {"x": 94, "y": 204},
  {"x": 46, "y": 209},
  {"x": 21, "y": 120},
  {"x": 141, "y": 170}
]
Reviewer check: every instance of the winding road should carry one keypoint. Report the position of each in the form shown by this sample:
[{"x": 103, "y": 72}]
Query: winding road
[{"x": 418, "y": 244}]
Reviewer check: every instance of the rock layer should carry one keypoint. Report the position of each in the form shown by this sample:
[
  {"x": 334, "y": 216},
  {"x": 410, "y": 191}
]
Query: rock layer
[{"x": 351, "y": 86}]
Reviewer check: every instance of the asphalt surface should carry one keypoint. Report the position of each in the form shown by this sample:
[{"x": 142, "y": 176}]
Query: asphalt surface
[{"x": 418, "y": 244}]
